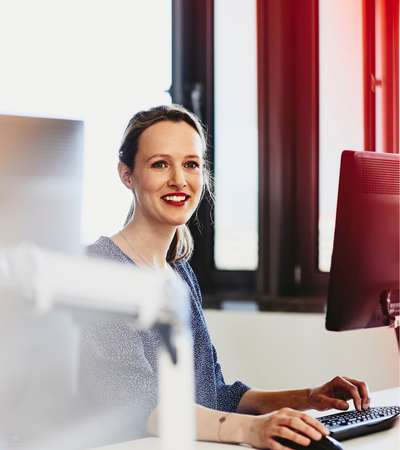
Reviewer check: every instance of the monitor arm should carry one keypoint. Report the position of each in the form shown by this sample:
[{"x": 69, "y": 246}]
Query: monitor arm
[{"x": 44, "y": 279}]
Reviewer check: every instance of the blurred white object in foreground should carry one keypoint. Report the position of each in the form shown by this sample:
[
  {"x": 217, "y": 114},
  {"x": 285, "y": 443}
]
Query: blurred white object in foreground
[{"x": 33, "y": 281}]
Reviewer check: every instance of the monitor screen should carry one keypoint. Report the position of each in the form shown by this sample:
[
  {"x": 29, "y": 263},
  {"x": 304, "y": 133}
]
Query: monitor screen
[
  {"x": 40, "y": 201},
  {"x": 41, "y": 181},
  {"x": 364, "y": 278}
]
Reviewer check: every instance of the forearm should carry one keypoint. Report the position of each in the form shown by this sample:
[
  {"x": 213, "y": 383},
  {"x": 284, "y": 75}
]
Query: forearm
[
  {"x": 221, "y": 426},
  {"x": 211, "y": 425},
  {"x": 259, "y": 431},
  {"x": 254, "y": 402},
  {"x": 263, "y": 402},
  {"x": 333, "y": 394}
]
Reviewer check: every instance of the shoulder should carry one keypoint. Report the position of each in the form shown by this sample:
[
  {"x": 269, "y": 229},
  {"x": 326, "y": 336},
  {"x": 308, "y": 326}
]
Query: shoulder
[
  {"x": 184, "y": 269},
  {"x": 187, "y": 274},
  {"x": 104, "y": 248}
]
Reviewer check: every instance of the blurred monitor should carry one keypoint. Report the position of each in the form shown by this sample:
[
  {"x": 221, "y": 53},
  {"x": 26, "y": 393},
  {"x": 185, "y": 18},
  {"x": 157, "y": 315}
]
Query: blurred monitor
[
  {"x": 364, "y": 278},
  {"x": 41, "y": 181},
  {"x": 40, "y": 200}
]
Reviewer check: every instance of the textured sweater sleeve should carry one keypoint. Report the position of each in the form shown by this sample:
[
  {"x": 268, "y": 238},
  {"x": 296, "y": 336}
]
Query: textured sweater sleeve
[
  {"x": 211, "y": 389},
  {"x": 228, "y": 395}
]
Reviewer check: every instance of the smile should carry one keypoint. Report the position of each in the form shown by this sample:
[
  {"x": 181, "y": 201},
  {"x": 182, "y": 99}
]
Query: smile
[
  {"x": 178, "y": 200},
  {"x": 175, "y": 198}
]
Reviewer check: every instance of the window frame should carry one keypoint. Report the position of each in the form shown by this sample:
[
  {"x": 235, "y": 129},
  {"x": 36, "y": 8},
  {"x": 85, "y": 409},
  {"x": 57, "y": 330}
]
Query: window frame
[{"x": 289, "y": 132}]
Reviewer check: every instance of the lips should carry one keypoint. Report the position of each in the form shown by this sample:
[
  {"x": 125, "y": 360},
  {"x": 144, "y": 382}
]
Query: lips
[{"x": 176, "y": 199}]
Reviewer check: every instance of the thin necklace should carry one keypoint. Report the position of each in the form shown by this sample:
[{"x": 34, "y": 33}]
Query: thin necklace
[{"x": 151, "y": 267}]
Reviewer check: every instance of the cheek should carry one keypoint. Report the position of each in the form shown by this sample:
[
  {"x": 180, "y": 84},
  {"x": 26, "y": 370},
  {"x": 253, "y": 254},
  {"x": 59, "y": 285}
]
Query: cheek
[{"x": 148, "y": 185}]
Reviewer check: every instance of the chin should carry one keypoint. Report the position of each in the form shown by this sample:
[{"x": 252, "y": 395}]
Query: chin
[
  {"x": 178, "y": 221},
  {"x": 175, "y": 218}
]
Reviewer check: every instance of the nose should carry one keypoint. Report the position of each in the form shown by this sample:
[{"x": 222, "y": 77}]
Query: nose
[{"x": 177, "y": 178}]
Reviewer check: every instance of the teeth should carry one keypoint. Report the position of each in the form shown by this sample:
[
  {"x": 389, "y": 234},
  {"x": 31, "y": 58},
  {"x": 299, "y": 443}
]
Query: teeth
[{"x": 174, "y": 198}]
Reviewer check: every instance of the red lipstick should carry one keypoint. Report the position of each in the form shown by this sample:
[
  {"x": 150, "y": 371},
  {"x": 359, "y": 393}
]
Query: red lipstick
[{"x": 176, "y": 198}]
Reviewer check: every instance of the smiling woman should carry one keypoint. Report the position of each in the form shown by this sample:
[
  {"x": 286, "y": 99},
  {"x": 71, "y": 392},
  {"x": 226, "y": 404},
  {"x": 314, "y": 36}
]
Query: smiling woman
[{"x": 163, "y": 162}]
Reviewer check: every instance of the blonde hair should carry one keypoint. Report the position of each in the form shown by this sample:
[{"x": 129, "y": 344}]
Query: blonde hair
[{"x": 182, "y": 243}]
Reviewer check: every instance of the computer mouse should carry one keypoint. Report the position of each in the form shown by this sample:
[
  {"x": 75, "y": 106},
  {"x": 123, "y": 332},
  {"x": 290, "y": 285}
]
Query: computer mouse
[{"x": 325, "y": 443}]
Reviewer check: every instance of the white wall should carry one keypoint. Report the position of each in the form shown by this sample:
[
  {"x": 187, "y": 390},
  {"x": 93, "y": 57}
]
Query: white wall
[{"x": 289, "y": 350}]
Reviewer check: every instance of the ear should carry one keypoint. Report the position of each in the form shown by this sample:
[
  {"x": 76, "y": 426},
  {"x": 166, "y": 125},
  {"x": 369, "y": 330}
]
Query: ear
[{"x": 125, "y": 173}]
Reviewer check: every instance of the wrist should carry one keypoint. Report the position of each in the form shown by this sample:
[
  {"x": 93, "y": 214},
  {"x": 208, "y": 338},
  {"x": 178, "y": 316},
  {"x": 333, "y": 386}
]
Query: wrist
[
  {"x": 244, "y": 428},
  {"x": 306, "y": 400},
  {"x": 235, "y": 428}
]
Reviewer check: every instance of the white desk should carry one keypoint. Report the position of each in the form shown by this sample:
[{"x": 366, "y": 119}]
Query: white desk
[{"x": 383, "y": 440}]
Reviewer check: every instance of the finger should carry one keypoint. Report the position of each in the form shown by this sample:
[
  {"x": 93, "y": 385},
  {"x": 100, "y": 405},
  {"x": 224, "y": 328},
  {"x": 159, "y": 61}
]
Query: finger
[
  {"x": 311, "y": 422},
  {"x": 278, "y": 443},
  {"x": 285, "y": 433},
  {"x": 363, "y": 389},
  {"x": 305, "y": 424},
  {"x": 288, "y": 443},
  {"x": 342, "y": 384},
  {"x": 336, "y": 403}
]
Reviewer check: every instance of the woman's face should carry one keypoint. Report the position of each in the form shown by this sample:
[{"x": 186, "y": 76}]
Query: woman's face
[{"x": 167, "y": 179}]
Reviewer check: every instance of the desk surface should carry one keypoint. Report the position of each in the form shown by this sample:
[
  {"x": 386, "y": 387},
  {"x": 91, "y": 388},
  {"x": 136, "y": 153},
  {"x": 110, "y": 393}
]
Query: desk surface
[{"x": 385, "y": 440}]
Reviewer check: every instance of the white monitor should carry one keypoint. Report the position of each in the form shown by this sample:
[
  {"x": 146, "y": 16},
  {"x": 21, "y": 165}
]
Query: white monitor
[{"x": 41, "y": 181}]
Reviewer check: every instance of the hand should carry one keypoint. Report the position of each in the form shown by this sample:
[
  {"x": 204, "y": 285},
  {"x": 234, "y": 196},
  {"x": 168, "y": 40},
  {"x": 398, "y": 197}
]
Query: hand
[
  {"x": 335, "y": 393},
  {"x": 284, "y": 423}
]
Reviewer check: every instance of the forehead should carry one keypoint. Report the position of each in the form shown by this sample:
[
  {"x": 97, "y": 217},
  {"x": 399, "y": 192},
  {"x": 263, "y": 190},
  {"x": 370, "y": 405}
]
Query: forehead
[{"x": 167, "y": 137}]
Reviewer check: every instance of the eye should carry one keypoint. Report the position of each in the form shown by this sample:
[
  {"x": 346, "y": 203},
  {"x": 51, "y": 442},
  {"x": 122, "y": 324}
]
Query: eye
[
  {"x": 159, "y": 164},
  {"x": 192, "y": 165}
]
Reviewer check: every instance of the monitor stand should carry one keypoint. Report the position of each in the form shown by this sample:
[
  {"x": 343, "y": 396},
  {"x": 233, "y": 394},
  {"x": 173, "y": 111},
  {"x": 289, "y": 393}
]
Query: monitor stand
[{"x": 387, "y": 312}]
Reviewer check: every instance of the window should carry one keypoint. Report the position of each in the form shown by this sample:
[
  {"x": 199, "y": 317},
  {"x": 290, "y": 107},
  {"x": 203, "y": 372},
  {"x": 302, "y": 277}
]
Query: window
[
  {"x": 359, "y": 93},
  {"x": 340, "y": 106},
  {"x": 90, "y": 60},
  {"x": 236, "y": 140}
]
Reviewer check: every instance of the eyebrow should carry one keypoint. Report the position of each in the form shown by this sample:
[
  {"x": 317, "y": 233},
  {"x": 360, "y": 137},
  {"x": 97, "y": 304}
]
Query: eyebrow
[{"x": 162, "y": 155}]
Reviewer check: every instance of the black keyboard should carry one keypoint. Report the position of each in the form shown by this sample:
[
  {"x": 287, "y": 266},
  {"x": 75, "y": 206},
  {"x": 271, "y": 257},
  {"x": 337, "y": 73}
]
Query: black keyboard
[{"x": 349, "y": 424}]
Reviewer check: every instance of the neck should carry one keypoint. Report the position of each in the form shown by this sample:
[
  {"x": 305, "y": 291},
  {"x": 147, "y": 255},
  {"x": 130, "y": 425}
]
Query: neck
[{"x": 151, "y": 243}]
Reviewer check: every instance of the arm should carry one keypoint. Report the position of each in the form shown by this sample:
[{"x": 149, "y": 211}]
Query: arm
[
  {"x": 333, "y": 394},
  {"x": 252, "y": 424},
  {"x": 258, "y": 431}
]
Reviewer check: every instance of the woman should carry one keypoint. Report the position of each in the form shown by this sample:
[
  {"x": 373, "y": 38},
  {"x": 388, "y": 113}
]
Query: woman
[{"x": 163, "y": 162}]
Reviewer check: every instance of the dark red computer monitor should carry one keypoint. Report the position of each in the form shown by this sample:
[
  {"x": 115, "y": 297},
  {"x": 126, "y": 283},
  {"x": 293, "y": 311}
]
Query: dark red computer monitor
[{"x": 364, "y": 277}]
